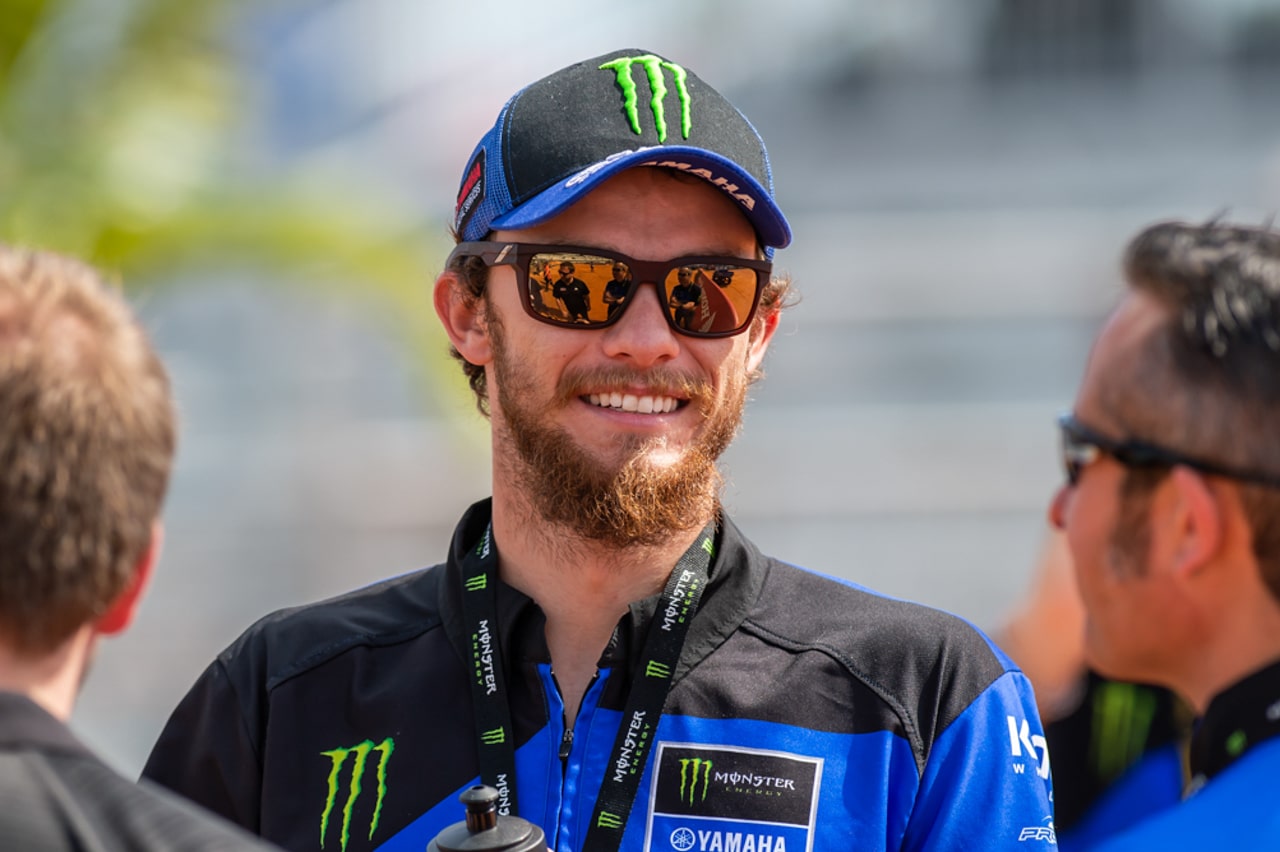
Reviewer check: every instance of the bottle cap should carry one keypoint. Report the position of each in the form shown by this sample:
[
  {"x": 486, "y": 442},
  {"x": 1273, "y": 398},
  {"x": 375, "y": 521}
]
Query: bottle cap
[{"x": 485, "y": 829}]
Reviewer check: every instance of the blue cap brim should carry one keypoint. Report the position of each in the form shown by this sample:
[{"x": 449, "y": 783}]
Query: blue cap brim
[{"x": 753, "y": 200}]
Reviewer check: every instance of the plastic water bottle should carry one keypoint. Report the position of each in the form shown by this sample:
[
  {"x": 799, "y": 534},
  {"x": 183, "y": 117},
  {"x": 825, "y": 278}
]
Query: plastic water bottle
[{"x": 484, "y": 829}]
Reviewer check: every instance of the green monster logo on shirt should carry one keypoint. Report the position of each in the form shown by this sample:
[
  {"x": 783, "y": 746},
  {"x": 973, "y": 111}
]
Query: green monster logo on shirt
[
  {"x": 339, "y": 758},
  {"x": 689, "y": 783},
  {"x": 654, "y": 68}
]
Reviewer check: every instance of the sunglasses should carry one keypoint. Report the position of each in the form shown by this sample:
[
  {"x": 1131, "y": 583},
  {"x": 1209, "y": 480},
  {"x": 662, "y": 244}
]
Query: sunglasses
[
  {"x": 1082, "y": 445},
  {"x": 701, "y": 296}
]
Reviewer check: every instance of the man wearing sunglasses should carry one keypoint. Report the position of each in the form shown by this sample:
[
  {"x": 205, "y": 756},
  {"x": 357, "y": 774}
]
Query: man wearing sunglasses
[
  {"x": 572, "y": 293},
  {"x": 684, "y": 298},
  {"x": 1171, "y": 510},
  {"x": 603, "y": 646},
  {"x": 618, "y": 288}
]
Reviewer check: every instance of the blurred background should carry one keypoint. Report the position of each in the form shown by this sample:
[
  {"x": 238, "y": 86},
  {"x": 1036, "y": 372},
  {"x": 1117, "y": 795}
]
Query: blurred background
[{"x": 272, "y": 182}]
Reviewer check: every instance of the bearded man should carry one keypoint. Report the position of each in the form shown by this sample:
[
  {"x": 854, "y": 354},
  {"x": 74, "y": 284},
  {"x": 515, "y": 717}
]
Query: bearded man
[{"x": 603, "y": 646}]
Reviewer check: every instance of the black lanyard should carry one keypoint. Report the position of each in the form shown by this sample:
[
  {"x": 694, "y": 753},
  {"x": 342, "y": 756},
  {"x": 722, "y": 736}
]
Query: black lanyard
[{"x": 648, "y": 693}]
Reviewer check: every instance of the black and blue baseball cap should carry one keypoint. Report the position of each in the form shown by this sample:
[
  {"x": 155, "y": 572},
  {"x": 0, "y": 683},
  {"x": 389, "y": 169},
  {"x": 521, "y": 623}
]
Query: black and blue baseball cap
[{"x": 559, "y": 138}]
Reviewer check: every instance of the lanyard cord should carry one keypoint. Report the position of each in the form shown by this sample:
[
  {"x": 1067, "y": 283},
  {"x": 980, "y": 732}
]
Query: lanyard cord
[{"x": 495, "y": 739}]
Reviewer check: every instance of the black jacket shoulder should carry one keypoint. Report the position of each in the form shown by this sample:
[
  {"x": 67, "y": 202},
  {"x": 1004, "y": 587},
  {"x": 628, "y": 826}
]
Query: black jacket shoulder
[
  {"x": 926, "y": 665},
  {"x": 291, "y": 641},
  {"x": 58, "y": 795}
]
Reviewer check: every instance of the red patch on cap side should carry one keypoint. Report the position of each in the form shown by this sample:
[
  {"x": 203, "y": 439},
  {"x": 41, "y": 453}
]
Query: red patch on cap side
[{"x": 471, "y": 193}]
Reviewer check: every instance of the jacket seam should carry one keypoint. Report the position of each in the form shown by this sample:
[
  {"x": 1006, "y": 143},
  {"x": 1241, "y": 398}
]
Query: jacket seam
[
  {"x": 908, "y": 724},
  {"x": 328, "y": 652},
  {"x": 249, "y": 736}
]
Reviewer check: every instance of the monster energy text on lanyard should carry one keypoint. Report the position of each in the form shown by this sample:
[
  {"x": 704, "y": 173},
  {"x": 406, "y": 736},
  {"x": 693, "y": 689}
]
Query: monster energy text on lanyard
[{"x": 648, "y": 692}]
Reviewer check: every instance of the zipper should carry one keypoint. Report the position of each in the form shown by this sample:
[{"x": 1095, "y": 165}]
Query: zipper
[
  {"x": 566, "y": 745},
  {"x": 566, "y": 741},
  {"x": 569, "y": 774}
]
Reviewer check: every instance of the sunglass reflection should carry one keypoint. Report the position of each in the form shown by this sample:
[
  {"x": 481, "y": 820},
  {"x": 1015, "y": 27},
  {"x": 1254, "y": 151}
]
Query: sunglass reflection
[{"x": 586, "y": 288}]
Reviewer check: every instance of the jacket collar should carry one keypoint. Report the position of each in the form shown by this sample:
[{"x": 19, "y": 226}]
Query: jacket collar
[
  {"x": 25, "y": 723},
  {"x": 738, "y": 572},
  {"x": 1238, "y": 718}
]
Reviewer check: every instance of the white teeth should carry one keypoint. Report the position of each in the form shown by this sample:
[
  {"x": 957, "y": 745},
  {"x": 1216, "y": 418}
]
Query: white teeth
[{"x": 631, "y": 402}]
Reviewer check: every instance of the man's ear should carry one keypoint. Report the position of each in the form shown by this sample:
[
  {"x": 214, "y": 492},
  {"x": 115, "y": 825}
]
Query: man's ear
[
  {"x": 1199, "y": 521},
  {"x": 462, "y": 315},
  {"x": 121, "y": 612},
  {"x": 759, "y": 343}
]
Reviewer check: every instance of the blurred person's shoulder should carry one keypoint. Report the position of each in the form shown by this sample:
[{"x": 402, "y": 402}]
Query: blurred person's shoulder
[
  {"x": 145, "y": 816},
  {"x": 60, "y": 795}
]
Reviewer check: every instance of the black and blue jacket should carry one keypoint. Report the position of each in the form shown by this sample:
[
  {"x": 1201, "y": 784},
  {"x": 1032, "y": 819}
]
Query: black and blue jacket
[
  {"x": 1234, "y": 761},
  {"x": 804, "y": 714}
]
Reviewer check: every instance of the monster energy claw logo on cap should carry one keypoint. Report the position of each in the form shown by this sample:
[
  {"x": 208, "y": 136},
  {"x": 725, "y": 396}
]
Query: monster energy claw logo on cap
[
  {"x": 654, "y": 68},
  {"x": 563, "y": 135}
]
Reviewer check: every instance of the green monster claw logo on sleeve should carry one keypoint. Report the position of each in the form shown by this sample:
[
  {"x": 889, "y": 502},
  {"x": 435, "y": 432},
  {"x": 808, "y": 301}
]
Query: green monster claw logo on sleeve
[
  {"x": 339, "y": 758},
  {"x": 654, "y": 67}
]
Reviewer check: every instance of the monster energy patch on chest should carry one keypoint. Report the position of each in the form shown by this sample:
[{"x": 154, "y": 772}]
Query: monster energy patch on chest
[{"x": 727, "y": 799}]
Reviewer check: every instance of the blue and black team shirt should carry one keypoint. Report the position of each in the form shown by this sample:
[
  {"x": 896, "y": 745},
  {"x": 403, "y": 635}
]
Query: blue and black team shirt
[
  {"x": 1234, "y": 761},
  {"x": 804, "y": 714}
]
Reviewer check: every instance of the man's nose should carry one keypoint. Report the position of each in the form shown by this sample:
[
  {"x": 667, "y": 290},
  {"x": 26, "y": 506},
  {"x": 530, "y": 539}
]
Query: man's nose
[
  {"x": 1058, "y": 506},
  {"x": 642, "y": 333}
]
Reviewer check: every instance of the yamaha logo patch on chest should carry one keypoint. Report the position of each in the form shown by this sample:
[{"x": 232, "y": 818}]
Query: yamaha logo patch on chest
[{"x": 727, "y": 799}]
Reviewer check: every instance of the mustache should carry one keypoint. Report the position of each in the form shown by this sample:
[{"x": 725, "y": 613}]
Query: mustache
[{"x": 661, "y": 382}]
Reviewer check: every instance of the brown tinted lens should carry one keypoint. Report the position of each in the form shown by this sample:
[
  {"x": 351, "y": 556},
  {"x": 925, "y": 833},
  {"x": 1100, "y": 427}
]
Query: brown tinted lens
[
  {"x": 571, "y": 288},
  {"x": 710, "y": 298}
]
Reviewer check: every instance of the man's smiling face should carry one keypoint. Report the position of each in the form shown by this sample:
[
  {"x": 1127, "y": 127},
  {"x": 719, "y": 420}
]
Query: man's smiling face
[{"x": 615, "y": 431}]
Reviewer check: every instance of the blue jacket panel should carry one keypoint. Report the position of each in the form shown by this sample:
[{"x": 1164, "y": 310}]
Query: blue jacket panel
[
  {"x": 1150, "y": 786},
  {"x": 1236, "y": 810}
]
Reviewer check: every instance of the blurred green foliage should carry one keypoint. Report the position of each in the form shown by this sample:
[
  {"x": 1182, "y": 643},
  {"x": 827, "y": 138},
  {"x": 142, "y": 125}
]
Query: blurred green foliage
[{"x": 125, "y": 140}]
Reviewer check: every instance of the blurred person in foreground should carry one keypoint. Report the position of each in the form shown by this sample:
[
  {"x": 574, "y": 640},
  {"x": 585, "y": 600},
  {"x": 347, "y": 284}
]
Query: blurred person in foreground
[
  {"x": 603, "y": 645},
  {"x": 1119, "y": 748},
  {"x": 86, "y": 443},
  {"x": 1171, "y": 510}
]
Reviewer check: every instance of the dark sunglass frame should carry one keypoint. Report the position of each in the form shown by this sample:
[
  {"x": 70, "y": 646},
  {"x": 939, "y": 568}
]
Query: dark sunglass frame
[
  {"x": 655, "y": 272},
  {"x": 1081, "y": 446}
]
